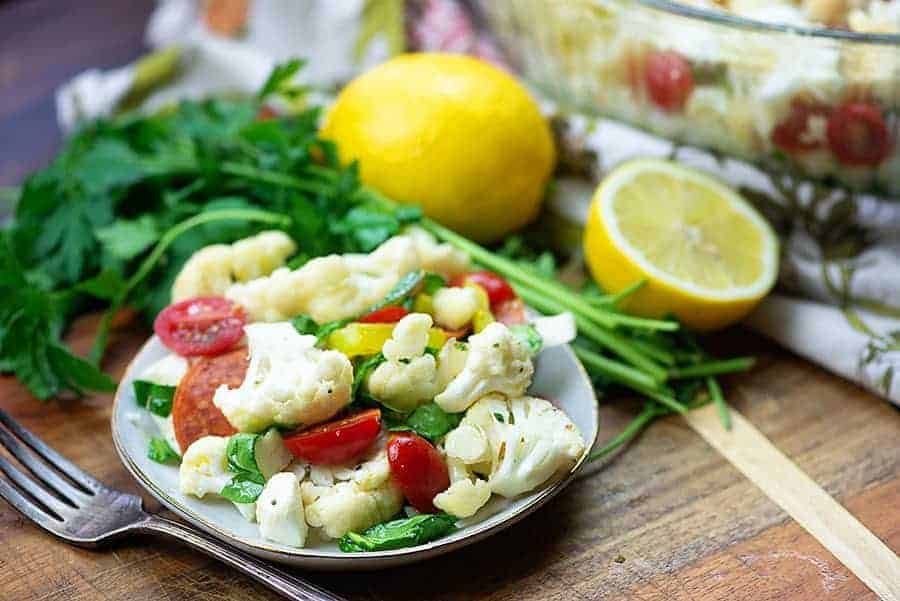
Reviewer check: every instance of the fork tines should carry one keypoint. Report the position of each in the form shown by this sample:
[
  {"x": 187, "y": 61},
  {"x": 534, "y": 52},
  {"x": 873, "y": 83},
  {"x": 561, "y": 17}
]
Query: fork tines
[{"x": 56, "y": 488}]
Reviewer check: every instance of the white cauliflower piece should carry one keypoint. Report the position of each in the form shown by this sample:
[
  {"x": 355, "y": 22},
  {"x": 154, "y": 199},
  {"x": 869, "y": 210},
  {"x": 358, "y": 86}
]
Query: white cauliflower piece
[
  {"x": 213, "y": 269},
  {"x": 260, "y": 255},
  {"x": 280, "y": 513},
  {"x": 408, "y": 376},
  {"x": 497, "y": 361},
  {"x": 204, "y": 467},
  {"x": 464, "y": 497},
  {"x": 454, "y": 307},
  {"x": 451, "y": 361},
  {"x": 339, "y": 286},
  {"x": 289, "y": 382},
  {"x": 530, "y": 441},
  {"x": 351, "y": 498},
  {"x": 168, "y": 371},
  {"x": 442, "y": 258}
]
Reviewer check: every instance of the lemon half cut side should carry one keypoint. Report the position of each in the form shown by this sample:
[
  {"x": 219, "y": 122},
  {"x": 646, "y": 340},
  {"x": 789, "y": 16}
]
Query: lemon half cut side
[{"x": 708, "y": 256}]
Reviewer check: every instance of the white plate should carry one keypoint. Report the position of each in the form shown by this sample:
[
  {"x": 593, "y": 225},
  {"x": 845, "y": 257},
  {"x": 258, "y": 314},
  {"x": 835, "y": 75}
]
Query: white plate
[{"x": 558, "y": 377}]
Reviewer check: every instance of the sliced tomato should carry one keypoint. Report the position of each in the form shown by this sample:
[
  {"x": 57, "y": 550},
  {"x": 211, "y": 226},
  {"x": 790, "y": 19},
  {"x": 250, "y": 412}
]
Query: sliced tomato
[
  {"x": 202, "y": 326},
  {"x": 794, "y": 134},
  {"x": 858, "y": 135},
  {"x": 669, "y": 79},
  {"x": 390, "y": 314},
  {"x": 418, "y": 469},
  {"x": 497, "y": 288},
  {"x": 510, "y": 312},
  {"x": 193, "y": 413},
  {"x": 338, "y": 441},
  {"x": 266, "y": 113}
]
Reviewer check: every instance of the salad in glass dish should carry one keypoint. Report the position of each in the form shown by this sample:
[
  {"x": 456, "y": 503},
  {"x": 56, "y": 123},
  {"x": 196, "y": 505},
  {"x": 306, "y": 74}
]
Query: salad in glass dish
[
  {"x": 811, "y": 87},
  {"x": 372, "y": 399}
]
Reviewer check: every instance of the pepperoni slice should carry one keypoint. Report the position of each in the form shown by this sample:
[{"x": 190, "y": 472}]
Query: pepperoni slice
[{"x": 193, "y": 413}]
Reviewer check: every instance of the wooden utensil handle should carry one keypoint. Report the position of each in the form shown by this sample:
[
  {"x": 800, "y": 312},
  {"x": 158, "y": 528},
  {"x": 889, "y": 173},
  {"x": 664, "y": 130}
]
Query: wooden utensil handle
[{"x": 288, "y": 586}]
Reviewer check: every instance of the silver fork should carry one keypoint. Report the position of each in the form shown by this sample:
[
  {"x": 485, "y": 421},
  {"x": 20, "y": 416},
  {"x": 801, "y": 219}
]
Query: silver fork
[{"x": 67, "y": 502}]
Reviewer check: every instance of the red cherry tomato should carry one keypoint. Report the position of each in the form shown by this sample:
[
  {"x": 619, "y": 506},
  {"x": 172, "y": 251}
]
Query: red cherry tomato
[
  {"x": 338, "y": 441},
  {"x": 510, "y": 312},
  {"x": 498, "y": 289},
  {"x": 200, "y": 326},
  {"x": 391, "y": 314},
  {"x": 858, "y": 135},
  {"x": 266, "y": 113},
  {"x": 418, "y": 469},
  {"x": 793, "y": 135},
  {"x": 669, "y": 79}
]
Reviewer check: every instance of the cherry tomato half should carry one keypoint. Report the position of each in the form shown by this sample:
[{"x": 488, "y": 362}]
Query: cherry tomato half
[
  {"x": 669, "y": 79},
  {"x": 498, "y": 289},
  {"x": 202, "y": 326},
  {"x": 510, "y": 312},
  {"x": 418, "y": 469},
  {"x": 391, "y": 314},
  {"x": 338, "y": 441},
  {"x": 858, "y": 135},
  {"x": 794, "y": 134}
]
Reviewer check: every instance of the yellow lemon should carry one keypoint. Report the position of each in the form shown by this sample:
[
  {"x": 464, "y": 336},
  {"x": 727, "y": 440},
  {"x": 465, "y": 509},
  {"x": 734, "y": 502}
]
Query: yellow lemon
[
  {"x": 453, "y": 134},
  {"x": 707, "y": 255}
]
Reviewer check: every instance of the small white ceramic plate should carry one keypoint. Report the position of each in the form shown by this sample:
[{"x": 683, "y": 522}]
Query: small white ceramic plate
[{"x": 558, "y": 377}]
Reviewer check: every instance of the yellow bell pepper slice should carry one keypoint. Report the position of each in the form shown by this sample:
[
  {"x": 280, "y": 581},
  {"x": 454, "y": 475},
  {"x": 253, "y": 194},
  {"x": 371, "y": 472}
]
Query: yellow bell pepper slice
[
  {"x": 359, "y": 339},
  {"x": 423, "y": 303},
  {"x": 483, "y": 316}
]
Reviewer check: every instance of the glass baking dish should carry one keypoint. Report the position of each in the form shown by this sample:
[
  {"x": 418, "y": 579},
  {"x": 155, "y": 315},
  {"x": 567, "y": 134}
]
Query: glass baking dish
[{"x": 824, "y": 103}]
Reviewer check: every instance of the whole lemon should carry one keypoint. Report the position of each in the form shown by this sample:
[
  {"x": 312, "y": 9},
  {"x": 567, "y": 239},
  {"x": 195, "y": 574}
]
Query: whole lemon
[{"x": 453, "y": 134}]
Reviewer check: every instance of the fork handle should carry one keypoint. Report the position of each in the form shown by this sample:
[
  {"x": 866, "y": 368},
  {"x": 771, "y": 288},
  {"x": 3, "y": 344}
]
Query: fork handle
[{"x": 288, "y": 586}]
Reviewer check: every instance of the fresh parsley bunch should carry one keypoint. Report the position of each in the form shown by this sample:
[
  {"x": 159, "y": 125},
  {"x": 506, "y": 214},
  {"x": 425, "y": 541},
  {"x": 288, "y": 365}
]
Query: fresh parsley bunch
[{"x": 128, "y": 200}]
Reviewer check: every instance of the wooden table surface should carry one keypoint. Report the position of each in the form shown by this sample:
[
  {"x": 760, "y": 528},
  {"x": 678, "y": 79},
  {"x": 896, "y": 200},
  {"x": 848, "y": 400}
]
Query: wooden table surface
[{"x": 666, "y": 520}]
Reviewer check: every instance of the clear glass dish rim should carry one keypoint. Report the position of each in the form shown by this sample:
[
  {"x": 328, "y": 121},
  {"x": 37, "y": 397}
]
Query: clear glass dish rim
[{"x": 723, "y": 18}]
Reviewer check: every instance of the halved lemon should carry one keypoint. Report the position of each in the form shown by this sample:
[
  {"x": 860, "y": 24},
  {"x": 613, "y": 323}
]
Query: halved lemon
[{"x": 707, "y": 255}]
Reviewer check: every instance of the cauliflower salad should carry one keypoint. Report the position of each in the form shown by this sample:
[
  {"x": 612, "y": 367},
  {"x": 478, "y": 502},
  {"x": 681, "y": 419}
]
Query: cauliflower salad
[{"x": 371, "y": 399}]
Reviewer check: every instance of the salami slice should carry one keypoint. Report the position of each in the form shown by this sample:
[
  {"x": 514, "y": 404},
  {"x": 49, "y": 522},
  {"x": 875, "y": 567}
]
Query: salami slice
[{"x": 193, "y": 413}]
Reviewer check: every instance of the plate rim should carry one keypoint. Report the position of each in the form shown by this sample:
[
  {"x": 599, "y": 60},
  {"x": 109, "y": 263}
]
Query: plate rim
[{"x": 353, "y": 560}]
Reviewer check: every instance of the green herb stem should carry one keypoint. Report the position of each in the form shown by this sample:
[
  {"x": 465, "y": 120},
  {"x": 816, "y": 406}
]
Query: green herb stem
[
  {"x": 712, "y": 368},
  {"x": 608, "y": 339},
  {"x": 715, "y": 392},
  {"x": 156, "y": 254},
  {"x": 649, "y": 413},
  {"x": 614, "y": 299},
  {"x": 274, "y": 178},
  {"x": 618, "y": 372}
]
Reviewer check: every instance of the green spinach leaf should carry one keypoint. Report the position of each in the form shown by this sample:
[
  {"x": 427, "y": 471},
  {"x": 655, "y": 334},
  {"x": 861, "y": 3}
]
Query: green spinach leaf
[
  {"x": 161, "y": 452},
  {"x": 399, "y": 534}
]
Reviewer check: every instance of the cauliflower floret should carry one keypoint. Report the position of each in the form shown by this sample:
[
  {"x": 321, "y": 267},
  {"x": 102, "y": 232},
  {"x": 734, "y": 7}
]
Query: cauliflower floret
[
  {"x": 451, "y": 361},
  {"x": 260, "y": 255},
  {"x": 280, "y": 513},
  {"x": 213, "y": 269},
  {"x": 408, "y": 377},
  {"x": 339, "y": 286},
  {"x": 442, "y": 258},
  {"x": 204, "y": 467},
  {"x": 454, "y": 307},
  {"x": 530, "y": 440},
  {"x": 352, "y": 497},
  {"x": 168, "y": 371},
  {"x": 289, "y": 382},
  {"x": 464, "y": 497},
  {"x": 497, "y": 361},
  {"x": 466, "y": 449}
]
